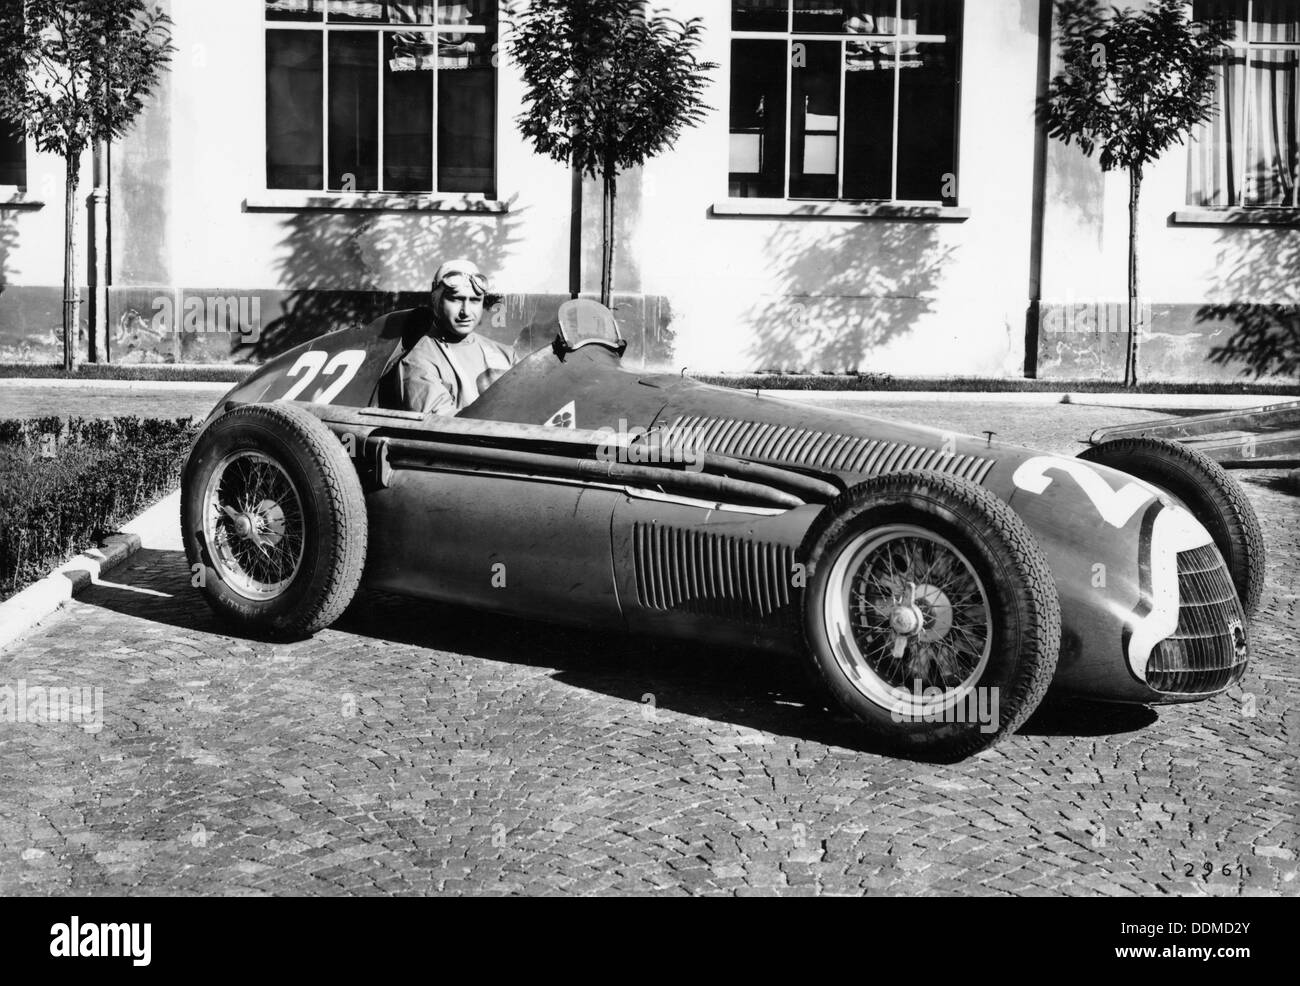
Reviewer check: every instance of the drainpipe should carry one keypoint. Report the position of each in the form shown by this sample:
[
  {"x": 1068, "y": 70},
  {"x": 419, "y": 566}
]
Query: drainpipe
[
  {"x": 99, "y": 256},
  {"x": 575, "y": 232},
  {"x": 1033, "y": 318}
]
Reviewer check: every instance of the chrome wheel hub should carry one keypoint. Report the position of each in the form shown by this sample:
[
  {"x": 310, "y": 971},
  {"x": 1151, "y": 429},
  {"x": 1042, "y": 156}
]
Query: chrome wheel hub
[
  {"x": 253, "y": 525},
  {"x": 908, "y": 618}
]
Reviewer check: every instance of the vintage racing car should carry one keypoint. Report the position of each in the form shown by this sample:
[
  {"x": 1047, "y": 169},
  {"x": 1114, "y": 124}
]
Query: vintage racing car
[{"x": 922, "y": 575}]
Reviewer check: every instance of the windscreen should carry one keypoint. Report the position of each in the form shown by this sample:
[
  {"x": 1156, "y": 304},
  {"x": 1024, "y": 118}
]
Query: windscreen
[{"x": 584, "y": 321}]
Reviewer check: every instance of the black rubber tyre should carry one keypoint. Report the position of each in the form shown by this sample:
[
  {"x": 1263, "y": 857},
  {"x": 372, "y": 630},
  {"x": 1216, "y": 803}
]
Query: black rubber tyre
[
  {"x": 274, "y": 520},
  {"x": 1205, "y": 488},
  {"x": 1000, "y": 584}
]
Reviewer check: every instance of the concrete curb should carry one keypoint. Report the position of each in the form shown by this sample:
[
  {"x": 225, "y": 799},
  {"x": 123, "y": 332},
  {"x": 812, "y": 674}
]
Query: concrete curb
[{"x": 23, "y": 612}]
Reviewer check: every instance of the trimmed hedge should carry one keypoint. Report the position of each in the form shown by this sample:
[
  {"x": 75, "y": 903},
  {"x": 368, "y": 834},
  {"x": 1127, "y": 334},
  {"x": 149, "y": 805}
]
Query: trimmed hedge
[{"x": 65, "y": 484}]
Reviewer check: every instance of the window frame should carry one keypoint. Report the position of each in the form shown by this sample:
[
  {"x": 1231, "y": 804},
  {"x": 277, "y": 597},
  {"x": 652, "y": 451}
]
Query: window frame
[
  {"x": 20, "y": 138},
  {"x": 1244, "y": 47},
  {"x": 790, "y": 36},
  {"x": 324, "y": 26}
]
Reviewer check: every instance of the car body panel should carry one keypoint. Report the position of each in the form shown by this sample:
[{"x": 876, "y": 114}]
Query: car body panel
[{"x": 514, "y": 487}]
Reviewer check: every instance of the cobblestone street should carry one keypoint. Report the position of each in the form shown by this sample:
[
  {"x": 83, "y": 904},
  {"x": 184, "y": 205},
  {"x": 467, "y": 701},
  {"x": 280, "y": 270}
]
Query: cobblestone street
[{"x": 424, "y": 749}]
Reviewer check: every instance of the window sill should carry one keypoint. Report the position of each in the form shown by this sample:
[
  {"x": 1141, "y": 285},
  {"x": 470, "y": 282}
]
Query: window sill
[
  {"x": 15, "y": 197},
  {"x": 277, "y": 201},
  {"x": 792, "y": 209},
  {"x": 1236, "y": 217}
]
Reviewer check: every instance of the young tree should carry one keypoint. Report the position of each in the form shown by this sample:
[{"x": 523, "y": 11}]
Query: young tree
[
  {"x": 1134, "y": 83},
  {"x": 608, "y": 85},
  {"x": 73, "y": 72}
]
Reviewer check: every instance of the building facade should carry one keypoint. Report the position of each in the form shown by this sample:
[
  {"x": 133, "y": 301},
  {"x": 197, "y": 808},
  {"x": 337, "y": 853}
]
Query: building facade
[{"x": 869, "y": 191}]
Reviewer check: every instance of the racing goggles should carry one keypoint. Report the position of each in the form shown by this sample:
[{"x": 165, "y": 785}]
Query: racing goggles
[{"x": 477, "y": 281}]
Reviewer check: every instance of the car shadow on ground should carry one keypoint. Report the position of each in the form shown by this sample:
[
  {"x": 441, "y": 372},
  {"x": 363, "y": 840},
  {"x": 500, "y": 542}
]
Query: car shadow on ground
[
  {"x": 755, "y": 691},
  {"x": 1276, "y": 480},
  {"x": 1167, "y": 412}
]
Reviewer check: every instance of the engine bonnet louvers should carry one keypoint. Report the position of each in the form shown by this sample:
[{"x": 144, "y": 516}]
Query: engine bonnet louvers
[{"x": 827, "y": 451}]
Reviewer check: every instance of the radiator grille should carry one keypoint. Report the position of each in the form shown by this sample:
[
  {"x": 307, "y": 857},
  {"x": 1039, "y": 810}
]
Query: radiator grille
[
  {"x": 1207, "y": 652},
  {"x": 711, "y": 574},
  {"x": 819, "y": 449}
]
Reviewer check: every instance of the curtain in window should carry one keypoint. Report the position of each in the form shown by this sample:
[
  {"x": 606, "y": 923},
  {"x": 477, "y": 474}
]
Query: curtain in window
[
  {"x": 1275, "y": 21},
  {"x": 1272, "y": 160},
  {"x": 1249, "y": 153},
  {"x": 1212, "y": 173}
]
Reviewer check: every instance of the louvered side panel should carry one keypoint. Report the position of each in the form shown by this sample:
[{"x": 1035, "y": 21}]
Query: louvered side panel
[{"x": 710, "y": 574}]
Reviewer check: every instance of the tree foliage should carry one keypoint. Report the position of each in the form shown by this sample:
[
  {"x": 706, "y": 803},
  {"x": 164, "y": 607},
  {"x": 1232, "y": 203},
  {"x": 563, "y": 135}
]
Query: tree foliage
[
  {"x": 76, "y": 71},
  {"x": 1134, "y": 83},
  {"x": 608, "y": 85}
]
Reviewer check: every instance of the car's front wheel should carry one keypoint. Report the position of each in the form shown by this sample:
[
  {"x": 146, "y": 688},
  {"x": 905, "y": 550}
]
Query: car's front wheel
[
  {"x": 930, "y": 612},
  {"x": 274, "y": 520}
]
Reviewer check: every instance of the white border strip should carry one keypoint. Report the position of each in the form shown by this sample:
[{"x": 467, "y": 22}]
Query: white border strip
[{"x": 24, "y": 611}]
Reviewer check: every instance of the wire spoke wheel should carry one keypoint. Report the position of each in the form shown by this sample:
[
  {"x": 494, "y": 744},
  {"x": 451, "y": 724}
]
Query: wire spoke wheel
[
  {"x": 930, "y": 612},
  {"x": 253, "y": 522},
  {"x": 910, "y": 617},
  {"x": 273, "y": 517}
]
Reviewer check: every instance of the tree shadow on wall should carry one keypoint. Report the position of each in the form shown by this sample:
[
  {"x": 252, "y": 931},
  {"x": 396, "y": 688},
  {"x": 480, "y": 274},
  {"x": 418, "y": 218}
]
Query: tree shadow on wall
[
  {"x": 1259, "y": 271},
  {"x": 836, "y": 297},
  {"x": 347, "y": 269}
]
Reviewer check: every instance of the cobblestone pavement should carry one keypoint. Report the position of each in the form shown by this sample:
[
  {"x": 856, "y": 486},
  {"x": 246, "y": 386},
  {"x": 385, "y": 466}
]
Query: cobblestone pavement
[{"x": 423, "y": 749}]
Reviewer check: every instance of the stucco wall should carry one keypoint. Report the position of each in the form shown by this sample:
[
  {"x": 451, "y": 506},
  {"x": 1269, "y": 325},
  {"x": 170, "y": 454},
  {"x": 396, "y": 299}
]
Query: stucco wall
[
  {"x": 1213, "y": 292},
  {"x": 704, "y": 291},
  {"x": 900, "y": 297}
]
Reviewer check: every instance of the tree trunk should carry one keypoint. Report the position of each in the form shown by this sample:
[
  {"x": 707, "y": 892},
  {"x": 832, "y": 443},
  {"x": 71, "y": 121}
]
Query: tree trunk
[
  {"x": 1134, "y": 307},
  {"x": 610, "y": 177},
  {"x": 71, "y": 295}
]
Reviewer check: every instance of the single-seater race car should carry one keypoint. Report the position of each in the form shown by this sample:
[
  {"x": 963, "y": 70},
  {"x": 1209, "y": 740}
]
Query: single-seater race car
[{"x": 935, "y": 584}]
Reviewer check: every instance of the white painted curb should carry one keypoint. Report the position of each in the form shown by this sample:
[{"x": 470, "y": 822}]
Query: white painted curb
[{"x": 23, "y": 612}]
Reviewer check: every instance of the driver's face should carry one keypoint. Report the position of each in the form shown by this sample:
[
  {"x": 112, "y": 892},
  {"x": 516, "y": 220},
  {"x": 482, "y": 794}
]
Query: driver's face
[{"x": 460, "y": 306}]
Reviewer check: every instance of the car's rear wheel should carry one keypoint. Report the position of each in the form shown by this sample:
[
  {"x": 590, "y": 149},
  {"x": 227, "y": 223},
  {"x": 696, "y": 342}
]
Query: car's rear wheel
[
  {"x": 1214, "y": 498},
  {"x": 274, "y": 520},
  {"x": 930, "y": 612}
]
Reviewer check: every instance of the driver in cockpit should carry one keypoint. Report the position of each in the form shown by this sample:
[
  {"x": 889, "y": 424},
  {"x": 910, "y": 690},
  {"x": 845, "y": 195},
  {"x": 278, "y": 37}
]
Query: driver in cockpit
[{"x": 450, "y": 364}]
